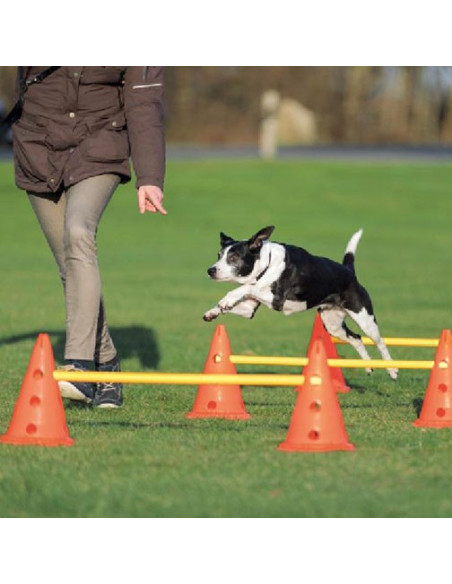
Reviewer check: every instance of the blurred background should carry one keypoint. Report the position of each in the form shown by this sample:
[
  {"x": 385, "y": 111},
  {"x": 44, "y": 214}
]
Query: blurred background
[{"x": 300, "y": 106}]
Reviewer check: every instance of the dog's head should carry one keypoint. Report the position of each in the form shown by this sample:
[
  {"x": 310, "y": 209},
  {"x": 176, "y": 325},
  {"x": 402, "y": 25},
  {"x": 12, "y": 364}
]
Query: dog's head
[{"x": 240, "y": 261}]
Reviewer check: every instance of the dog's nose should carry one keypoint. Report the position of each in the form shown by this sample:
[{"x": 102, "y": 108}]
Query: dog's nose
[{"x": 212, "y": 271}]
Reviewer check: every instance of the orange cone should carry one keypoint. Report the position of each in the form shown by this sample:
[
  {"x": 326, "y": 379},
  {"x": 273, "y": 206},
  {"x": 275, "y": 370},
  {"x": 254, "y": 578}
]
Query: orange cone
[
  {"x": 219, "y": 401},
  {"x": 337, "y": 376},
  {"x": 38, "y": 417},
  {"x": 317, "y": 424},
  {"x": 437, "y": 407}
]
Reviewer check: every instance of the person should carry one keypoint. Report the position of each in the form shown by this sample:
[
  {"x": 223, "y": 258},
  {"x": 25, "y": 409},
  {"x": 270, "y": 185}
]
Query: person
[{"x": 76, "y": 129}]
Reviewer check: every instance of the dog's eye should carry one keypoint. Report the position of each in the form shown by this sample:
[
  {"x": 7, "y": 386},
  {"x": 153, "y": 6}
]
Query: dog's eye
[{"x": 233, "y": 257}]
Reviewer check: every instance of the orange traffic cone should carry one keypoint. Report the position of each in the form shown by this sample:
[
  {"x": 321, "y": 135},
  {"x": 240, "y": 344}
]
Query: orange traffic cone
[
  {"x": 38, "y": 417},
  {"x": 337, "y": 376},
  {"x": 219, "y": 401},
  {"x": 437, "y": 408},
  {"x": 317, "y": 424}
]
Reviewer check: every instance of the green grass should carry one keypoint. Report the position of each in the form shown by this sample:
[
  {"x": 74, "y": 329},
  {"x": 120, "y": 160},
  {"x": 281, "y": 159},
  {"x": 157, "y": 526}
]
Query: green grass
[{"x": 148, "y": 460}]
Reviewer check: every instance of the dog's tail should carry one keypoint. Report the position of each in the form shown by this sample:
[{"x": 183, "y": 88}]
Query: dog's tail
[{"x": 350, "y": 250}]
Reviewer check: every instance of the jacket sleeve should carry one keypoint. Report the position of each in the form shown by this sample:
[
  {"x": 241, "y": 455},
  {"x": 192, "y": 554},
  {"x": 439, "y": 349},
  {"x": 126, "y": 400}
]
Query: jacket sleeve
[{"x": 143, "y": 104}]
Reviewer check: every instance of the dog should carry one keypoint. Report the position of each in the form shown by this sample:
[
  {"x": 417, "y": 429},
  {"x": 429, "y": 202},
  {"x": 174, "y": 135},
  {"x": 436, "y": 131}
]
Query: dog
[{"x": 289, "y": 279}]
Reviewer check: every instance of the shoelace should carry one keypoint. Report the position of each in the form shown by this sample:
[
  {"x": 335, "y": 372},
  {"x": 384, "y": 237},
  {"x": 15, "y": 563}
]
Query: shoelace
[{"x": 108, "y": 387}]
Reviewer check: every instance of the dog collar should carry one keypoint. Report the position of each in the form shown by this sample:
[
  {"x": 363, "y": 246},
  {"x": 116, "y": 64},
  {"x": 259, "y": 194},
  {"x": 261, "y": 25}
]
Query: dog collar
[{"x": 265, "y": 269}]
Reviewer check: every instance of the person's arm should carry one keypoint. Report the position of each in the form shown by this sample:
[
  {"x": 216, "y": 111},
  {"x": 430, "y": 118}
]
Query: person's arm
[{"x": 143, "y": 103}]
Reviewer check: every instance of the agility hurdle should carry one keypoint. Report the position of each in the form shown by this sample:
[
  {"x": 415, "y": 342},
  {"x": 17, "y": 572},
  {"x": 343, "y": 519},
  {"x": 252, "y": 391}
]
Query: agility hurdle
[{"x": 153, "y": 378}]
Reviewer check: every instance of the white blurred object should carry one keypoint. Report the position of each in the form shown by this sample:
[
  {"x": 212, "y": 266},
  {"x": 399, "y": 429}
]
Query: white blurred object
[
  {"x": 296, "y": 123},
  {"x": 268, "y": 136}
]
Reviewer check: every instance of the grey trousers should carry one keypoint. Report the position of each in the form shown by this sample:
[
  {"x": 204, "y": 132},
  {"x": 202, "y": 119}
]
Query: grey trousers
[{"x": 69, "y": 222}]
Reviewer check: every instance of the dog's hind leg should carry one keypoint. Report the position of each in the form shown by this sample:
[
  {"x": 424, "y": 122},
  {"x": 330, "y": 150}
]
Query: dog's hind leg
[
  {"x": 368, "y": 325},
  {"x": 333, "y": 320}
]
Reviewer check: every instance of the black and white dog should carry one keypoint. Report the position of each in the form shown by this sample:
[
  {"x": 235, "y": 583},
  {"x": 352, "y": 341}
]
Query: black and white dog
[{"x": 290, "y": 279}]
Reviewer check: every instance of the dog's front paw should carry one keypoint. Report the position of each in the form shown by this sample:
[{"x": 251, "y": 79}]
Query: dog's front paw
[{"x": 211, "y": 314}]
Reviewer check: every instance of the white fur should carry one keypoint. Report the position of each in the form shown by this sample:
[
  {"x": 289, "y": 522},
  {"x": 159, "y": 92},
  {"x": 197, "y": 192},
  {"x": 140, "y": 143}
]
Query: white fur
[{"x": 292, "y": 306}]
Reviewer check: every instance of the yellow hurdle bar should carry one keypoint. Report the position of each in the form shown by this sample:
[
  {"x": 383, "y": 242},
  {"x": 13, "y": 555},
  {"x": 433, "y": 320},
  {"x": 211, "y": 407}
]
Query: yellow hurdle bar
[
  {"x": 153, "y": 378},
  {"x": 347, "y": 363},
  {"x": 396, "y": 342}
]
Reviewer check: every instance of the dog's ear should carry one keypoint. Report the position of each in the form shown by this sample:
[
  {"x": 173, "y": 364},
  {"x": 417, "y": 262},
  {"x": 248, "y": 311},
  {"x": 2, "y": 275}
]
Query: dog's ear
[
  {"x": 225, "y": 240},
  {"x": 257, "y": 240}
]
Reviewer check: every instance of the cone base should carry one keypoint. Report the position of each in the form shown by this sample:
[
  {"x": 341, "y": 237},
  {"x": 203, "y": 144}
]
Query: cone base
[
  {"x": 433, "y": 424},
  {"x": 22, "y": 441},
  {"x": 227, "y": 416},
  {"x": 340, "y": 387},
  {"x": 290, "y": 447}
]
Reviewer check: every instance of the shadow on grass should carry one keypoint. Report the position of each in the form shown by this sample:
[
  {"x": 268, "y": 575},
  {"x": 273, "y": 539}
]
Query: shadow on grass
[
  {"x": 361, "y": 389},
  {"x": 131, "y": 341},
  {"x": 230, "y": 426},
  {"x": 418, "y": 402},
  {"x": 135, "y": 425}
]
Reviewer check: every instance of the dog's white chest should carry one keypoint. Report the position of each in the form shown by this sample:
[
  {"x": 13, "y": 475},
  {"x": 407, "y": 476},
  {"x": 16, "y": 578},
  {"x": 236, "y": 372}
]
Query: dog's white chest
[{"x": 292, "y": 306}]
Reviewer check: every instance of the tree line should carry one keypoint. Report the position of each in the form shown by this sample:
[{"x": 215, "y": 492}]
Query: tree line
[{"x": 369, "y": 105}]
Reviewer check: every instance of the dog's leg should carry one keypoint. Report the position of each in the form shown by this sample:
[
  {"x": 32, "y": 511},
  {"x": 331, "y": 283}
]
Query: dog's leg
[
  {"x": 246, "y": 293},
  {"x": 369, "y": 326},
  {"x": 232, "y": 303},
  {"x": 247, "y": 308},
  {"x": 333, "y": 320}
]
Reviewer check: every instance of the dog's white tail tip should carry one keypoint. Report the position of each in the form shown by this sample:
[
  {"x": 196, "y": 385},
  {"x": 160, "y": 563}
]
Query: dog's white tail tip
[{"x": 353, "y": 243}]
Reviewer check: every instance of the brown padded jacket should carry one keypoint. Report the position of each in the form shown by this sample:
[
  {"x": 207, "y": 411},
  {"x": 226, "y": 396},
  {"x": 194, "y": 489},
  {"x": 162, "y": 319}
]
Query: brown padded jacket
[{"x": 85, "y": 121}]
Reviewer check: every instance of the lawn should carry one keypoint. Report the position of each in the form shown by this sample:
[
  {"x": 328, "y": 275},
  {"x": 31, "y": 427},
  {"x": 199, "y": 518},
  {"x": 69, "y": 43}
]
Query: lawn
[{"x": 148, "y": 459}]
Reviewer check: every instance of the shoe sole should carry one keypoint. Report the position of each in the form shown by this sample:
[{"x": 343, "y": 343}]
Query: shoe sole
[
  {"x": 69, "y": 391},
  {"x": 107, "y": 406}
]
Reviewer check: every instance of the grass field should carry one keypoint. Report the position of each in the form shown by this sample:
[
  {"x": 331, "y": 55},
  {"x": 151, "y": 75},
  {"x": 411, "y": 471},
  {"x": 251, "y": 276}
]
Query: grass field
[{"x": 148, "y": 460}]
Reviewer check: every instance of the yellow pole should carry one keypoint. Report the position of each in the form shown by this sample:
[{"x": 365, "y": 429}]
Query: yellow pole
[
  {"x": 379, "y": 364},
  {"x": 270, "y": 360},
  {"x": 179, "y": 378},
  {"x": 396, "y": 342},
  {"x": 347, "y": 363}
]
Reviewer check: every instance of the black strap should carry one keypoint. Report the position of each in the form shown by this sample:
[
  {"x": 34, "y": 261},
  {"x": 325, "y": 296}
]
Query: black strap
[
  {"x": 40, "y": 76},
  {"x": 263, "y": 271},
  {"x": 24, "y": 83}
]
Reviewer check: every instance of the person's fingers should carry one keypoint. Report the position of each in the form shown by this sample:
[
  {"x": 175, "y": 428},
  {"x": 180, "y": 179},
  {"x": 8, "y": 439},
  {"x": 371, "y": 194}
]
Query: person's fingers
[{"x": 159, "y": 207}]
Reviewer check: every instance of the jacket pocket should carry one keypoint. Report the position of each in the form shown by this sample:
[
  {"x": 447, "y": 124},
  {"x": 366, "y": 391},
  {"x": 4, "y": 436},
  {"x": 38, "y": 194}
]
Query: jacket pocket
[
  {"x": 108, "y": 144},
  {"x": 30, "y": 152}
]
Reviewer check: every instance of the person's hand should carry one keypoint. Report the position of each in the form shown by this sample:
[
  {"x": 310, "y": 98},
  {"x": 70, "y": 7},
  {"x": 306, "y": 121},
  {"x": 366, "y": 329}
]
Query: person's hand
[{"x": 150, "y": 198}]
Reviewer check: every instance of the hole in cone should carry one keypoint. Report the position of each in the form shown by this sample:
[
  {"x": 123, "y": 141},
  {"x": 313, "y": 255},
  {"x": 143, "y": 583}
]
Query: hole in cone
[
  {"x": 38, "y": 374},
  {"x": 315, "y": 406},
  {"x": 440, "y": 412},
  {"x": 442, "y": 387},
  {"x": 315, "y": 380},
  {"x": 211, "y": 405},
  {"x": 31, "y": 429},
  {"x": 35, "y": 400},
  {"x": 314, "y": 435},
  {"x": 217, "y": 358}
]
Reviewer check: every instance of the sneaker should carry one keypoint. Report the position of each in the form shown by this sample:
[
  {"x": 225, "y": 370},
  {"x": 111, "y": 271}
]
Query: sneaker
[
  {"x": 108, "y": 395},
  {"x": 77, "y": 391}
]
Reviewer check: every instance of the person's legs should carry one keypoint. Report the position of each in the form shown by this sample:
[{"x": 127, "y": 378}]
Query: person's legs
[
  {"x": 69, "y": 223},
  {"x": 88, "y": 337}
]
